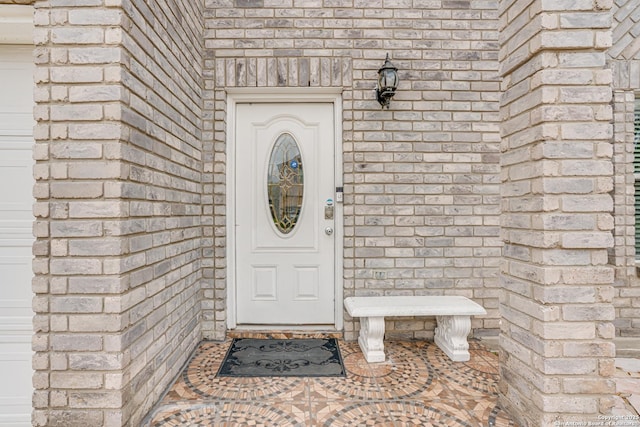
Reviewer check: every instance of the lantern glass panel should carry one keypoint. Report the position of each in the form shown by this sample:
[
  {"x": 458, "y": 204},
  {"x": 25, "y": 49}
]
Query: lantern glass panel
[
  {"x": 392, "y": 79},
  {"x": 387, "y": 79},
  {"x": 381, "y": 80}
]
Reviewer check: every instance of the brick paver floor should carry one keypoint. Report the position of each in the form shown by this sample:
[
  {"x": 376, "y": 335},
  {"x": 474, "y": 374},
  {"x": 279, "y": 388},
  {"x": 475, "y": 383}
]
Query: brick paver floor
[{"x": 417, "y": 385}]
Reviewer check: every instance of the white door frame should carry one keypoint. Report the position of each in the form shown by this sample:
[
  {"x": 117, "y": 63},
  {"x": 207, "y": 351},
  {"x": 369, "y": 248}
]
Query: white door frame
[{"x": 276, "y": 95}]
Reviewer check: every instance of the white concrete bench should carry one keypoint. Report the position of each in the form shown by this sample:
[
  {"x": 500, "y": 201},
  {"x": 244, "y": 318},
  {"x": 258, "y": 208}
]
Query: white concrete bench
[{"x": 453, "y": 317}]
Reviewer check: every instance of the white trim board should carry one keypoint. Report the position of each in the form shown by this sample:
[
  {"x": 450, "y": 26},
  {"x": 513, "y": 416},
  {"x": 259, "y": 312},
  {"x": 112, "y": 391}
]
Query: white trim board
[{"x": 16, "y": 24}]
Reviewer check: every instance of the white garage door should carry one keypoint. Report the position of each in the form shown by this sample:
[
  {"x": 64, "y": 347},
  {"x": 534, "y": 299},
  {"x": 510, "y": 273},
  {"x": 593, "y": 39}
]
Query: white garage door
[{"x": 16, "y": 177}]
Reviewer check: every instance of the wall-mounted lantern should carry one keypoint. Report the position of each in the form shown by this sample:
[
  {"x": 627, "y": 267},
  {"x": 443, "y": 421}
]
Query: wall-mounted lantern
[{"x": 387, "y": 82}]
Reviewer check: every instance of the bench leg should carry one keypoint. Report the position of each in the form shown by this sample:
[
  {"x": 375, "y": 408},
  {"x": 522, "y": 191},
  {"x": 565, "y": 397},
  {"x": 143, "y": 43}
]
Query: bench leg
[
  {"x": 451, "y": 336},
  {"x": 371, "y": 338}
]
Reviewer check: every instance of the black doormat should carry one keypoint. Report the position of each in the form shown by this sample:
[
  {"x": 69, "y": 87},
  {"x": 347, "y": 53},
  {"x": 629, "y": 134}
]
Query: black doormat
[{"x": 313, "y": 357}]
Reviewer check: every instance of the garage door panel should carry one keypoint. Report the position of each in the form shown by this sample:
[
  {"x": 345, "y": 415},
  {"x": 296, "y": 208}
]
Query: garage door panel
[
  {"x": 12, "y": 397},
  {"x": 16, "y": 272},
  {"x": 16, "y": 327},
  {"x": 17, "y": 124},
  {"x": 21, "y": 415},
  {"x": 16, "y": 164},
  {"x": 16, "y": 221},
  {"x": 16, "y": 234}
]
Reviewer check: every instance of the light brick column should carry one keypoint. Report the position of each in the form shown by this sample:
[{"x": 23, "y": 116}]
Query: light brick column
[
  {"x": 78, "y": 351},
  {"x": 118, "y": 188},
  {"x": 556, "y": 305}
]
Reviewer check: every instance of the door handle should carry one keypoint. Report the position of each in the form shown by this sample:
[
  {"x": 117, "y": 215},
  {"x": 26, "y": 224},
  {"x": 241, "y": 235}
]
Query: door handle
[{"x": 328, "y": 231}]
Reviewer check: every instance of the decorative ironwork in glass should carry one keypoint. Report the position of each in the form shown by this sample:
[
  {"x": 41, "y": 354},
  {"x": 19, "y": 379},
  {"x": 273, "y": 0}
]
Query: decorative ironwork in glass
[{"x": 285, "y": 183}]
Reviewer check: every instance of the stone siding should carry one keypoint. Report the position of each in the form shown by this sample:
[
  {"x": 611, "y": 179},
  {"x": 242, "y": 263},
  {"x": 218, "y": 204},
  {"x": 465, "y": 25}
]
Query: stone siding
[
  {"x": 421, "y": 180},
  {"x": 492, "y": 175},
  {"x": 119, "y": 191},
  {"x": 556, "y": 303}
]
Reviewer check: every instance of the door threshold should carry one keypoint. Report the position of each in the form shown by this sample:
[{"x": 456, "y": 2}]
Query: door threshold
[{"x": 284, "y": 332}]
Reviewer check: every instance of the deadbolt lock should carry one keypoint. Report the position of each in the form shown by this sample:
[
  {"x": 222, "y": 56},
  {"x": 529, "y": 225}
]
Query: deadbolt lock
[{"x": 328, "y": 209}]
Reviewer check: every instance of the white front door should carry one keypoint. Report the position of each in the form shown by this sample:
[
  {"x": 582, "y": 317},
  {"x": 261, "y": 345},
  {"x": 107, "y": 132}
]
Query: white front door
[
  {"x": 16, "y": 219},
  {"x": 284, "y": 190}
]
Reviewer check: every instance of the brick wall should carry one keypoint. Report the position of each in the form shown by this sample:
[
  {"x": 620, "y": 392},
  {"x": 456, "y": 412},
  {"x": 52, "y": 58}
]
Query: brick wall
[
  {"x": 162, "y": 145},
  {"x": 556, "y": 305},
  {"x": 625, "y": 64},
  {"x": 119, "y": 171},
  {"x": 421, "y": 179},
  {"x": 131, "y": 182}
]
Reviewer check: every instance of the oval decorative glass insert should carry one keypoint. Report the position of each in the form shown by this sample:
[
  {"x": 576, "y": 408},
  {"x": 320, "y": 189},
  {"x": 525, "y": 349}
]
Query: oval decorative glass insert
[{"x": 285, "y": 183}]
